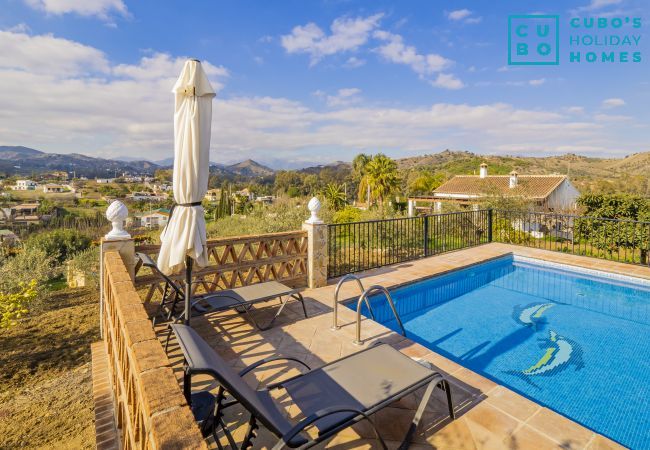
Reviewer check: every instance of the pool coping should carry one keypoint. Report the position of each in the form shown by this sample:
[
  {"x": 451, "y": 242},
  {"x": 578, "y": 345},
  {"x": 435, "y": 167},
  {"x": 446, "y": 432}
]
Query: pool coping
[{"x": 544, "y": 421}]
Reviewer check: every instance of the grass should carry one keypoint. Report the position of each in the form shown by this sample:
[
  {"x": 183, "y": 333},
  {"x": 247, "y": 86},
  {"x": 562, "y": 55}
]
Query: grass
[{"x": 45, "y": 381}]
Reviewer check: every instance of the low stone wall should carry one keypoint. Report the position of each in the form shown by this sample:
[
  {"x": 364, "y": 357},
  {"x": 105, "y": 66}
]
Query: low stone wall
[{"x": 150, "y": 410}]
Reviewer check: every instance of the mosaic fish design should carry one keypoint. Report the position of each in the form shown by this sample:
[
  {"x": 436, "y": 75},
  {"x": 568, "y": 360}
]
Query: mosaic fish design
[
  {"x": 531, "y": 315},
  {"x": 560, "y": 353}
]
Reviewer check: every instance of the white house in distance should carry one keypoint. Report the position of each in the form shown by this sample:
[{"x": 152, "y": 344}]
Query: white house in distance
[
  {"x": 545, "y": 192},
  {"x": 154, "y": 219},
  {"x": 24, "y": 185},
  {"x": 146, "y": 196},
  {"x": 55, "y": 189}
]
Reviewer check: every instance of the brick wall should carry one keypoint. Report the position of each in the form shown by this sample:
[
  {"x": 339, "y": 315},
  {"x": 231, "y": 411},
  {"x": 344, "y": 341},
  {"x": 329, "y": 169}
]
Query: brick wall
[{"x": 150, "y": 410}]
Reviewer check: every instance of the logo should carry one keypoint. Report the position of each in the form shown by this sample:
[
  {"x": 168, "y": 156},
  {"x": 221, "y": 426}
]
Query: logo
[
  {"x": 533, "y": 40},
  {"x": 605, "y": 40}
]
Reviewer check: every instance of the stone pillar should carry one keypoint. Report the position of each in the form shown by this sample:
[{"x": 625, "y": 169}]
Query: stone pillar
[
  {"x": 125, "y": 247},
  {"x": 411, "y": 208},
  {"x": 317, "y": 246},
  {"x": 115, "y": 240}
]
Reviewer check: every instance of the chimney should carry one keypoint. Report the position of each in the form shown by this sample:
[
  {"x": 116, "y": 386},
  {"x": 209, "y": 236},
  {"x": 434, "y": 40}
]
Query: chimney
[
  {"x": 483, "y": 171},
  {"x": 514, "y": 178}
]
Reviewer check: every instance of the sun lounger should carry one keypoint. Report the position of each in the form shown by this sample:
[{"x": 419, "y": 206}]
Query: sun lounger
[
  {"x": 240, "y": 299},
  {"x": 173, "y": 294},
  {"x": 331, "y": 398}
]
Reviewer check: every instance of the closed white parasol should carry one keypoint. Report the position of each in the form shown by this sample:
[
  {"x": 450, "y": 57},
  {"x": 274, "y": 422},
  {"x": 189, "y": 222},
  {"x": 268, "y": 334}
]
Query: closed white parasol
[{"x": 184, "y": 237}]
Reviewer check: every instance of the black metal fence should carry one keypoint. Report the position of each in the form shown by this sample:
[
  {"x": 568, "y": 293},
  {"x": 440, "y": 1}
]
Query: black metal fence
[
  {"x": 619, "y": 240},
  {"x": 358, "y": 246}
]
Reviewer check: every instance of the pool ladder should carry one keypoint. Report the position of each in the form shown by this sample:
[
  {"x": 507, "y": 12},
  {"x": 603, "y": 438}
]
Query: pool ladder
[{"x": 365, "y": 293}]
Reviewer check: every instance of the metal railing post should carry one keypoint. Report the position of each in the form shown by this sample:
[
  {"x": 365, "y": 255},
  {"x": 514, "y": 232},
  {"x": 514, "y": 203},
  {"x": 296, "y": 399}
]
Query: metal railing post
[
  {"x": 426, "y": 235},
  {"x": 490, "y": 225}
]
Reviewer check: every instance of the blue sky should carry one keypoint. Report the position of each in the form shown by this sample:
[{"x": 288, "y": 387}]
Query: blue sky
[{"x": 314, "y": 81}]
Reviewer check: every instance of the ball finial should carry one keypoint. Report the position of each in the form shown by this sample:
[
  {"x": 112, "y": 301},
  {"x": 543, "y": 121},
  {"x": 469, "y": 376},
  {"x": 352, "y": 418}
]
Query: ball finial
[
  {"x": 117, "y": 213},
  {"x": 314, "y": 206}
]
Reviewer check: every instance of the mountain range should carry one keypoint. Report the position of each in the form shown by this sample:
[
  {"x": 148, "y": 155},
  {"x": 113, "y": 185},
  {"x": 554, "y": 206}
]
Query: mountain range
[
  {"x": 627, "y": 174},
  {"x": 18, "y": 160}
]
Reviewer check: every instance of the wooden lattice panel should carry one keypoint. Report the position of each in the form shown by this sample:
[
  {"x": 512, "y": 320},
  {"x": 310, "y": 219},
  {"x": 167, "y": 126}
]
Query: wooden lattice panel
[{"x": 241, "y": 261}]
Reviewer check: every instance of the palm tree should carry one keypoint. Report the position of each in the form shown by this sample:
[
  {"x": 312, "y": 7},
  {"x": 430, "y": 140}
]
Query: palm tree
[
  {"x": 359, "y": 164},
  {"x": 425, "y": 182},
  {"x": 380, "y": 178},
  {"x": 334, "y": 196}
]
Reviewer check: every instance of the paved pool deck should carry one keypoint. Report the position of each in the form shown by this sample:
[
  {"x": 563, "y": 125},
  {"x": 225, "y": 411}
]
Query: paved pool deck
[{"x": 489, "y": 416}]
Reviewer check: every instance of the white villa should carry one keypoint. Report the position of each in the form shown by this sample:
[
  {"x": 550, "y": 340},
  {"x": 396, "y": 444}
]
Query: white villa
[
  {"x": 24, "y": 185},
  {"x": 146, "y": 196},
  {"x": 154, "y": 219},
  {"x": 546, "y": 192},
  {"x": 55, "y": 188}
]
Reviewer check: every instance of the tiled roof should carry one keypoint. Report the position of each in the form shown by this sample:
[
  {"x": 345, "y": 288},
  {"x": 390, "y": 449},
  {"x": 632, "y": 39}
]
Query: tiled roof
[{"x": 528, "y": 186}]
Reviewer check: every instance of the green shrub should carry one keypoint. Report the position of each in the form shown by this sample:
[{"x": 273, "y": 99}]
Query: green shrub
[
  {"x": 27, "y": 265},
  {"x": 87, "y": 261},
  {"x": 14, "y": 305},
  {"x": 347, "y": 215},
  {"x": 60, "y": 244},
  {"x": 284, "y": 215}
]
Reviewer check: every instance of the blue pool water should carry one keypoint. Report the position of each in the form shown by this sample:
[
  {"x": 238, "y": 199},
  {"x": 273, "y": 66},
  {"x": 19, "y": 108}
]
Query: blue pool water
[{"x": 573, "y": 341}]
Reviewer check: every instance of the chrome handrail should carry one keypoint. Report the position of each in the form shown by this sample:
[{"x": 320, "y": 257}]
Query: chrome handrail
[
  {"x": 335, "y": 312},
  {"x": 364, "y": 297}
]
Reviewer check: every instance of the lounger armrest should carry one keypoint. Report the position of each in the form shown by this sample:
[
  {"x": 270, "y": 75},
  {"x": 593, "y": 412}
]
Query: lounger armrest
[
  {"x": 261, "y": 362},
  {"x": 300, "y": 426},
  {"x": 207, "y": 297}
]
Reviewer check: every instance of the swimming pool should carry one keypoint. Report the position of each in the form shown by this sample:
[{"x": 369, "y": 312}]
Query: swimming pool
[{"x": 574, "y": 340}]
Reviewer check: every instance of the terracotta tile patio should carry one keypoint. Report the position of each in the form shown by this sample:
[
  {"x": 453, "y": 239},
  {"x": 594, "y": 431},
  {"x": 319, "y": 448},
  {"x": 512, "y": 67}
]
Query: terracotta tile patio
[{"x": 490, "y": 416}]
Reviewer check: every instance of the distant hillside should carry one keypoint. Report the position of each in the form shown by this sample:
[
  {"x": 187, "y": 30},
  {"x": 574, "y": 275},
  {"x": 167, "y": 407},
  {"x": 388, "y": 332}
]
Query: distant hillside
[
  {"x": 250, "y": 168},
  {"x": 628, "y": 174},
  {"x": 17, "y": 160},
  {"x": 335, "y": 166}
]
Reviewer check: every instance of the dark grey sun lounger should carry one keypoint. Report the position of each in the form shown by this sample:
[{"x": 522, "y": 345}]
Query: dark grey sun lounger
[
  {"x": 331, "y": 398},
  {"x": 240, "y": 299}
]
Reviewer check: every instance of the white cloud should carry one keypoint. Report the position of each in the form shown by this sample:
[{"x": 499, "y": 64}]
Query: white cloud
[
  {"x": 474, "y": 20},
  {"x": 49, "y": 55},
  {"x": 613, "y": 118},
  {"x": 127, "y": 109},
  {"x": 595, "y": 5},
  {"x": 20, "y": 28},
  {"x": 160, "y": 66},
  {"x": 537, "y": 81},
  {"x": 396, "y": 51},
  {"x": 347, "y": 34},
  {"x": 464, "y": 15},
  {"x": 613, "y": 103},
  {"x": 350, "y": 34},
  {"x": 575, "y": 110},
  {"x": 61, "y": 95},
  {"x": 99, "y": 8},
  {"x": 459, "y": 14},
  {"x": 353, "y": 62},
  {"x": 447, "y": 81},
  {"x": 343, "y": 97}
]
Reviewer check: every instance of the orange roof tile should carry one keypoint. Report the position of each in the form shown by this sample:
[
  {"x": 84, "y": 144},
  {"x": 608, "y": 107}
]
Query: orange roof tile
[{"x": 528, "y": 186}]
